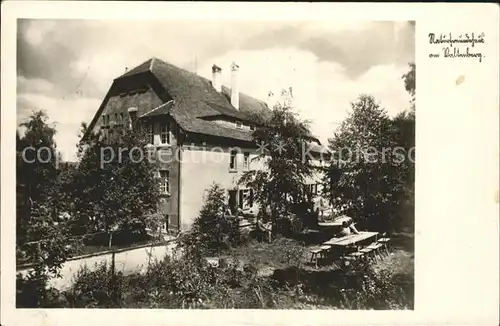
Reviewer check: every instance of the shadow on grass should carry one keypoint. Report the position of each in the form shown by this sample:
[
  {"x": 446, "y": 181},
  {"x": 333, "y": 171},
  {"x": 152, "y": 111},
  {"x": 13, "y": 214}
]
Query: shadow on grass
[{"x": 350, "y": 290}]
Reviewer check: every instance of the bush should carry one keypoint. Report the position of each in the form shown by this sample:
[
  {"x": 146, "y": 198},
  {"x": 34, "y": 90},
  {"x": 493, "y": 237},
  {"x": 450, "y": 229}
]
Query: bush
[
  {"x": 368, "y": 288},
  {"x": 212, "y": 231},
  {"x": 184, "y": 282},
  {"x": 32, "y": 293},
  {"x": 96, "y": 288}
]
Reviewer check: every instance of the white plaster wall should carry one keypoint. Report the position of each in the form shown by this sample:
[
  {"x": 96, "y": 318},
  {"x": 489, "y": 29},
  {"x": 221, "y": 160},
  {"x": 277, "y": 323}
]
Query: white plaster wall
[{"x": 200, "y": 169}]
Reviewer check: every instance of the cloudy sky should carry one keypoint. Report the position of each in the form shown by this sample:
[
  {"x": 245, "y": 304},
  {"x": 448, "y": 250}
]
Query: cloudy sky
[{"x": 65, "y": 67}]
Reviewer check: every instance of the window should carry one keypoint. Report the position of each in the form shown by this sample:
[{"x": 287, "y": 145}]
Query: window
[
  {"x": 232, "y": 161},
  {"x": 164, "y": 226},
  {"x": 246, "y": 198},
  {"x": 238, "y": 125},
  {"x": 312, "y": 188},
  {"x": 246, "y": 160},
  {"x": 250, "y": 199},
  {"x": 132, "y": 112},
  {"x": 252, "y": 127},
  {"x": 151, "y": 135},
  {"x": 165, "y": 133},
  {"x": 105, "y": 120},
  {"x": 164, "y": 182}
]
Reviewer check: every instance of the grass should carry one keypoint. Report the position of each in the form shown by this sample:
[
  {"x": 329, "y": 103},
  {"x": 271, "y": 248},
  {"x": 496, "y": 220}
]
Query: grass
[
  {"x": 272, "y": 276},
  {"x": 280, "y": 253}
]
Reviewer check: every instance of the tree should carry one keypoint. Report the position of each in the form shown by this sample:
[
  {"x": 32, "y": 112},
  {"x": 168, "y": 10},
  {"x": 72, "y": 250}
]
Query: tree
[
  {"x": 115, "y": 185},
  {"x": 404, "y": 126},
  {"x": 283, "y": 141},
  {"x": 212, "y": 230},
  {"x": 410, "y": 83},
  {"x": 363, "y": 179},
  {"x": 40, "y": 237}
]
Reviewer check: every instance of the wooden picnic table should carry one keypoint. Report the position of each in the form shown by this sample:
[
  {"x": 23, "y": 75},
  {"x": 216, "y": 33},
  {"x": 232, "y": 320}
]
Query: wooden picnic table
[{"x": 351, "y": 239}]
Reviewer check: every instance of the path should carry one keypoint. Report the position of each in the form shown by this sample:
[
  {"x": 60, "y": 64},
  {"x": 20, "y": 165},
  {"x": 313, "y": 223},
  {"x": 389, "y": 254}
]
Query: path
[{"x": 128, "y": 262}]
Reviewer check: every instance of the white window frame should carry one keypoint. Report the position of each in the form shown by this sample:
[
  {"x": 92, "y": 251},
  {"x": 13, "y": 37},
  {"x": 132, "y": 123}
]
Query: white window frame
[
  {"x": 164, "y": 182},
  {"x": 164, "y": 225},
  {"x": 246, "y": 160},
  {"x": 164, "y": 133},
  {"x": 151, "y": 134},
  {"x": 235, "y": 156},
  {"x": 247, "y": 198}
]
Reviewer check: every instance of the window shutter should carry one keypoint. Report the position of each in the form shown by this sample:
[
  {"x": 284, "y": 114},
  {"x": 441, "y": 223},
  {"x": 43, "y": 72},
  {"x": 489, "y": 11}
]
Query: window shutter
[{"x": 251, "y": 198}]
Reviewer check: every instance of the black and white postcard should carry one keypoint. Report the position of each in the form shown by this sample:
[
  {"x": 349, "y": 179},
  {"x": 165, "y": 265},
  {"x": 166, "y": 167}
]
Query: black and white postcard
[{"x": 249, "y": 163}]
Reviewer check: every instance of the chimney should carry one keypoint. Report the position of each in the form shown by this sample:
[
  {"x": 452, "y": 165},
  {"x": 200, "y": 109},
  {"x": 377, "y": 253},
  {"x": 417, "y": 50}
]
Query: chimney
[
  {"x": 216, "y": 76},
  {"x": 235, "y": 94}
]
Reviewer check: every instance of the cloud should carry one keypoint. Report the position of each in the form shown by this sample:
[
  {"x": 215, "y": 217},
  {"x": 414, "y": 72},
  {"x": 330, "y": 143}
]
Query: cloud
[
  {"x": 355, "y": 45},
  {"x": 322, "y": 91},
  {"x": 65, "y": 114},
  {"x": 35, "y": 84},
  {"x": 67, "y": 66}
]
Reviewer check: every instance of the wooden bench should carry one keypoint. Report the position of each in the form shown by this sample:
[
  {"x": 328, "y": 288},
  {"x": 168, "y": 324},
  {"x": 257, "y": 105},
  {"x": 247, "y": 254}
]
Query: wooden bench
[
  {"x": 314, "y": 256},
  {"x": 384, "y": 242},
  {"x": 321, "y": 252}
]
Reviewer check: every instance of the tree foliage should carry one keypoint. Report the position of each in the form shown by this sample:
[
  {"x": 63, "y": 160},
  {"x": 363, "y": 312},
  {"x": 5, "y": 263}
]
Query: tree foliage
[
  {"x": 115, "y": 186},
  {"x": 213, "y": 231},
  {"x": 40, "y": 235},
  {"x": 363, "y": 179},
  {"x": 404, "y": 125},
  {"x": 376, "y": 183},
  {"x": 283, "y": 142},
  {"x": 409, "y": 79}
]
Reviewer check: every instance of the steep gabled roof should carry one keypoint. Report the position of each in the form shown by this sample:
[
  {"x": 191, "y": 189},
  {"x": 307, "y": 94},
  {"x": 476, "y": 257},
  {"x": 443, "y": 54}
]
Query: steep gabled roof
[
  {"x": 192, "y": 101},
  {"x": 196, "y": 94},
  {"x": 163, "y": 109},
  {"x": 195, "y": 99}
]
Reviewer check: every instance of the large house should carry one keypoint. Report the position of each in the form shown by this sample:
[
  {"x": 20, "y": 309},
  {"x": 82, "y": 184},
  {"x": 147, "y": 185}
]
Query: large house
[{"x": 207, "y": 125}]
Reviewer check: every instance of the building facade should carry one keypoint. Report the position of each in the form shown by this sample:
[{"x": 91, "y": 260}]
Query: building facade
[{"x": 201, "y": 130}]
